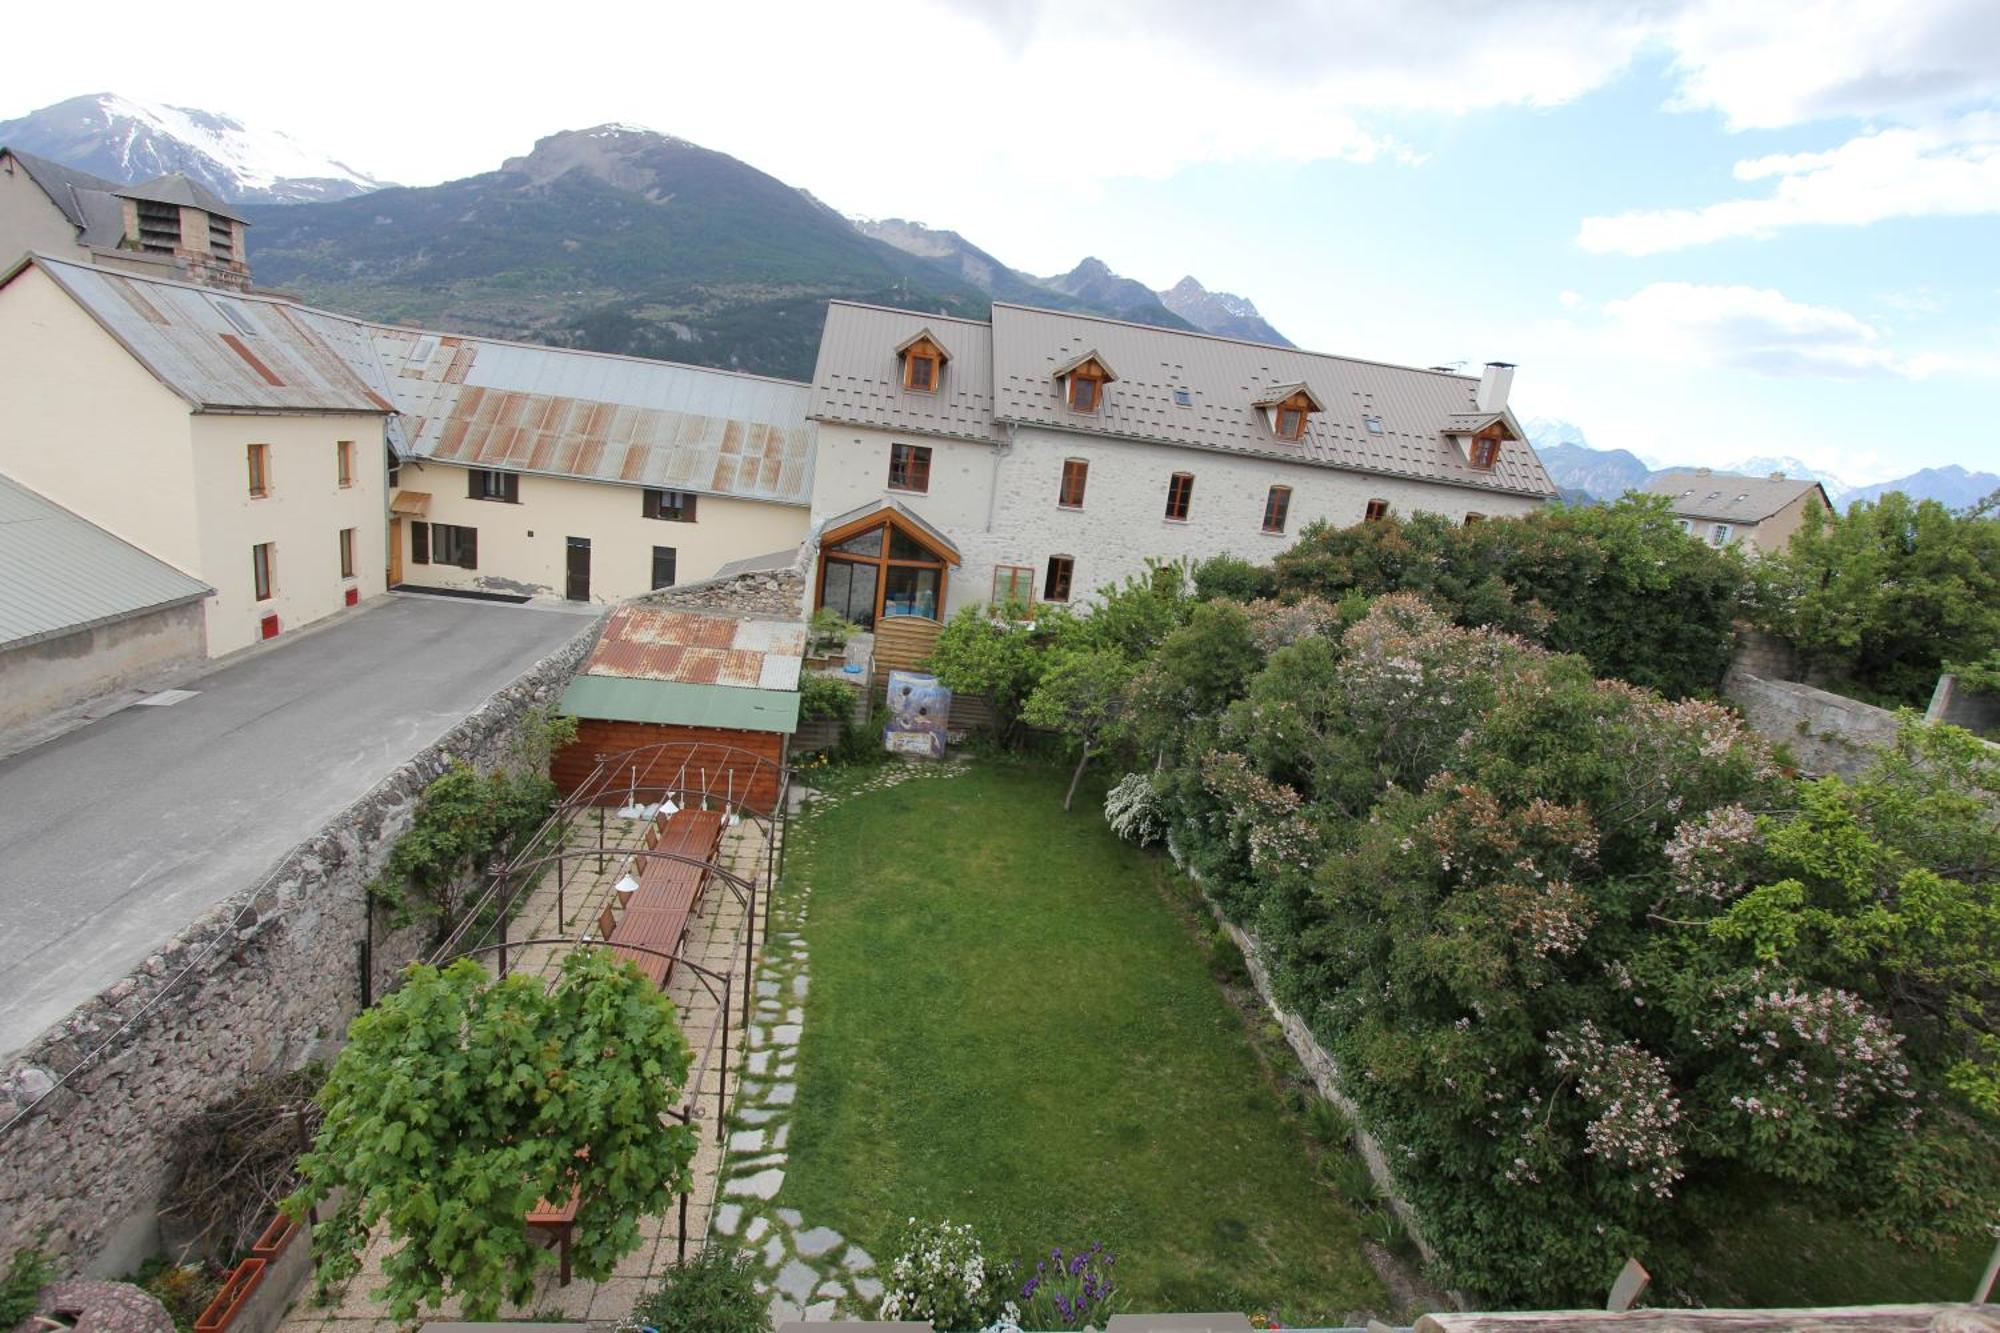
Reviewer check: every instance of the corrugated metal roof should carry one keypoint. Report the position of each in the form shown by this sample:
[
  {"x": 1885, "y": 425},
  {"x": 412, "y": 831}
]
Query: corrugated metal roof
[
  {"x": 858, "y": 377},
  {"x": 655, "y": 643},
  {"x": 676, "y": 703},
  {"x": 484, "y": 403},
  {"x": 217, "y": 349},
  {"x": 1224, "y": 378},
  {"x": 1730, "y": 496},
  {"x": 60, "y": 573}
]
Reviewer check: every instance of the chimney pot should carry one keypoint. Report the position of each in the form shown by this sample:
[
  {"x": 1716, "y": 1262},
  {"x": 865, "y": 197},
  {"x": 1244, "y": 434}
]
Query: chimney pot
[
  {"x": 1494, "y": 385},
  {"x": 1777, "y": 476}
]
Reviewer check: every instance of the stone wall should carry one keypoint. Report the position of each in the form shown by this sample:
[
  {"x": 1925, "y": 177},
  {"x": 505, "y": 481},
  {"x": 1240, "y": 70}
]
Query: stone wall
[
  {"x": 757, "y": 592},
  {"x": 1954, "y": 702},
  {"x": 1826, "y": 732},
  {"x": 266, "y": 981}
]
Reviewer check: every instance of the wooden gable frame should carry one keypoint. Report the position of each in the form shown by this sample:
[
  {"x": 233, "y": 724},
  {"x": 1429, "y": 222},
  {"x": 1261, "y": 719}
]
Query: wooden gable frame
[{"x": 921, "y": 346}]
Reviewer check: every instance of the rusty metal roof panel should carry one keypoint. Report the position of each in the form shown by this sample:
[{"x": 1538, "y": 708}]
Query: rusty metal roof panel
[
  {"x": 219, "y": 350},
  {"x": 687, "y": 647},
  {"x": 599, "y": 417}
]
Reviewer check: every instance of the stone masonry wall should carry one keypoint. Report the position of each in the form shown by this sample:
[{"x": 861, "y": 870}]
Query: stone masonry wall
[
  {"x": 1826, "y": 732},
  {"x": 776, "y": 592},
  {"x": 267, "y": 980}
]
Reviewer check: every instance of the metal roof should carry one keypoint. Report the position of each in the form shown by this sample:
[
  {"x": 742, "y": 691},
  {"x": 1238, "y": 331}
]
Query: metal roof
[
  {"x": 63, "y": 573},
  {"x": 675, "y": 703},
  {"x": 218, "y": 350},
  {"x": 178, "y": 190},
  {"x": 70, "y": 190},
  {"x": 1226, "y": 377},
  {"x": 662, "y": 644},
  {"x": 859, "y": 380},
  {"x": 480, "y": 402},
  {"x": 1005, "y": 373},
  {"x": 1729, "y": 496}
]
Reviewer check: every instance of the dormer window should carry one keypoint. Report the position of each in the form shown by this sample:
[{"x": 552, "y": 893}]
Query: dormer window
[
  {"x": 1286, "y": 408},
  {"x": 923, "y": 358},
  {"x": 1484, "y": 453},
  {"x": 1082, "y": 382}
]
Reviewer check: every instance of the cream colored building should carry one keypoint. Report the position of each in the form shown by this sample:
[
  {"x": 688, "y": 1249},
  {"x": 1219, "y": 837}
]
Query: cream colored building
[
  {"x": 1759, "y": 514},
  {"x": 206, "y": 429}
]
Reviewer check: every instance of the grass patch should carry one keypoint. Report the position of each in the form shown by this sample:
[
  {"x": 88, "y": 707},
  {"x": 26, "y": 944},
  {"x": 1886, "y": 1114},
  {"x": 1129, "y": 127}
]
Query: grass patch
[
  {"x": 1781, "y": 1256},
  {"x": 1008, "y": 1025}
]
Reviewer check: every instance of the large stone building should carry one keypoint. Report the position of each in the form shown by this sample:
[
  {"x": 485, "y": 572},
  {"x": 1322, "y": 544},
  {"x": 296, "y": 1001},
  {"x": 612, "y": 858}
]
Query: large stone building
[
  {"x": 1042, "y": 455},
  {"x": 170, "y": 226}
]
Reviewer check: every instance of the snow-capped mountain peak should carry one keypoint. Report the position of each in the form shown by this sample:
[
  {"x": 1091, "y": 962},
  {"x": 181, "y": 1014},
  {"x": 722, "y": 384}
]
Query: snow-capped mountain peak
[{"x": 128, "y": 140}]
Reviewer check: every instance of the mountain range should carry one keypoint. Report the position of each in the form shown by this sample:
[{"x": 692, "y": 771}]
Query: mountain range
[
  {"x": 1586, "y": 473},
  {"x": 129, "y": 141},
  {"x": 614, "y": 239}
]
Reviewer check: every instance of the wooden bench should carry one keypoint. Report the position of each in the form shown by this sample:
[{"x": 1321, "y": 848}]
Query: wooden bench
[
  {"x": 559, "y": 1223},
  {"x": 669, "y": 892}
]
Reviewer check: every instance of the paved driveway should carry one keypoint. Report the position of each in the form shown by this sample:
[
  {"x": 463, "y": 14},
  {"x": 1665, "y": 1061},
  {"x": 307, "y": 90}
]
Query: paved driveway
[{"x": 117, "y": 835}]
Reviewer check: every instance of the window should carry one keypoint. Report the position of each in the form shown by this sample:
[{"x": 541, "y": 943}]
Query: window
[
  {"x": 1055, "y": 588},
  {"x": 877, "y": 568},
  {"x": 451, "y": 545},
  {"x": 481, "y": 484},
  {"x": 1374, "y": 425},
  {"x": 1684, "y": 524},
  {"x": 1719, "y": 535},
  {"x": 1183, "y": 398},
  {"x": 672, "y": 506},
  {"x": 1076, "y": 474},
  {"x": 1180, "y": 495},
  {"x": 1485, "y": 453},
  {"x": 1377, "y": 511},
  {"x": 262, "y": 569},
  {"x": 664, "y": 559},
  {"x": 260, "y": 470},
  {"x": 920, "y": 372},
  {"x": 347, "y": 553},
  {"x": 394, "y": 468},
  {"x": 420, "y": 543},
  {"x": 1291, "y": 423},
  {"x": 910, "y": 467},
  {"x": 1082, "y": 394},
  {"x": 1276, "y": 505},
  {"x": 1013, "y": 584},
  {"x": 1471, "y": 519},
  {"x": 343, "y": 461}
]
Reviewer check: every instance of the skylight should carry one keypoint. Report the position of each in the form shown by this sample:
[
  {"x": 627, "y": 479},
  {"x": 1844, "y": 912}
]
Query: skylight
[
  {"x": 242, "y": 325},
  {"x": 1183, "y": 398},
  {"x": 1374, "y": 425}
]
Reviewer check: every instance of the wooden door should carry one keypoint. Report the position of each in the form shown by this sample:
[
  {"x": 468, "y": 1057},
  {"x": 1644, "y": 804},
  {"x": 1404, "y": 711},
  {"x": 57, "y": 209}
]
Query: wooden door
[
  {"x": 579, "y": 570},
  {"x": 395, "y": 551}
]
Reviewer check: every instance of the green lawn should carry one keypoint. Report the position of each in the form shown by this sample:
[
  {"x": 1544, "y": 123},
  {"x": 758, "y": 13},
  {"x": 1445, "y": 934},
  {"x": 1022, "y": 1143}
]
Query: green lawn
[
  {"x": 1779, "y": 1256},
  {"x": 1009, "y": 1025}
]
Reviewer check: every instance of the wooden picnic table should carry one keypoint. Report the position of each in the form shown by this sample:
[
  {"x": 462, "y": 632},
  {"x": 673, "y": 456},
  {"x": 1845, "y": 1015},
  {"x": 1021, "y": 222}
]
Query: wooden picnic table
[{"x": 669, "y": 891}]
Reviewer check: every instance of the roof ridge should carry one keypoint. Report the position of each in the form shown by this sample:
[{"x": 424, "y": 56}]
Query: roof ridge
[
  {"x": 914, "y": 314},
  {"x": 1224, "y": 338}
]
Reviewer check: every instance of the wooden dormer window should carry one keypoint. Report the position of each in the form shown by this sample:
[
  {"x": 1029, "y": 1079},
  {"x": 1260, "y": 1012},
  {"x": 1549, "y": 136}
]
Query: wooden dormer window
[
  {"x": 1484, "y": 452},
  {"x": 1082, "y": 382},
  {"x": 1286, "y": 409},
  {"x": 923, "y": 359}
]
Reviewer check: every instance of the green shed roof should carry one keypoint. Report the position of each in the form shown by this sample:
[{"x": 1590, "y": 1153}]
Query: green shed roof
[{"x": 677, "y": 703}]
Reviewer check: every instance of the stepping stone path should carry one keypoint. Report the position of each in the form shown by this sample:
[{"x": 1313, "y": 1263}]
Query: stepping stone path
[{"x": 808, "y": 1273}]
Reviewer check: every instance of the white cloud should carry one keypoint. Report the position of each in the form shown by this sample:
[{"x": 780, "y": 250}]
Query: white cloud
[
  {"x": 1947, "y": 170},
  {"x": 1755, "y": 329},
  {"x": 1764, "y": 65}
]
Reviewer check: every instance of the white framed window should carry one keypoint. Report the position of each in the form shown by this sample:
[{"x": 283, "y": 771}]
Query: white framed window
[{"x": 1720, "y": 534}]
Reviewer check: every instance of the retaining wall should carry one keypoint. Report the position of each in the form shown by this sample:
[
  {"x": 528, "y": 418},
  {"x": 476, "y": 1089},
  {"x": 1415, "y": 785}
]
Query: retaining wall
[
  {"x": 265, "y": 981},
  {"x": 1826, "y": 732}
]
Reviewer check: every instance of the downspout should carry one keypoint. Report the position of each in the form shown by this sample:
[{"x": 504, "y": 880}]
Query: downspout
[{"x": 993, "y": 489}]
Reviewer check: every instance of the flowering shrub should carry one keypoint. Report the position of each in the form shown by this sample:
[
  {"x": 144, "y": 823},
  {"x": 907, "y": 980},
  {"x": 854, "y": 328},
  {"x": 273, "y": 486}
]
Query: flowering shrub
[
  {"x": 1132, "y": 808},
  {"x": 940, "y": 1274},
  {"x": 1069, "y": 1291}
]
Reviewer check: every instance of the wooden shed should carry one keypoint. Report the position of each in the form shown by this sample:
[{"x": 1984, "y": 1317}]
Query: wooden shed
[{"x": 683, "y": 701}]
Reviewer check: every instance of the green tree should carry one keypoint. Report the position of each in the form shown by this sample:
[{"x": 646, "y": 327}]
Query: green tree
[
  {"x": 1878, "y": 599},
  {"x": 1001, "y": 658},
  {"x": 460, "y": 1101},
  {"x": 1082, "y": 695}
]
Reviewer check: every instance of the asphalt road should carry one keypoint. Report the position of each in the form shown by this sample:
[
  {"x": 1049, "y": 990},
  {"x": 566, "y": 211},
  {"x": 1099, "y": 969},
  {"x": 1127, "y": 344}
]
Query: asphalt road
[{"x": 115, "y": 836}]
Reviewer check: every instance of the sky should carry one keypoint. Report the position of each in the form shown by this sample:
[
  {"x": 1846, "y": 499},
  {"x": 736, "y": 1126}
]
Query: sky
[{"x": 1706, "y": 230}]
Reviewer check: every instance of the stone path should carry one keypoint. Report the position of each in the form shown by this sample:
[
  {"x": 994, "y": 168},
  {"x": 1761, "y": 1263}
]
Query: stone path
[{"x": 810, "y": 1273}]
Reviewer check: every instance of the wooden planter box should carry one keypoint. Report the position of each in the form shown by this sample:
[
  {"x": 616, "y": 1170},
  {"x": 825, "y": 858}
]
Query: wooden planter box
[
  {"x": 228, "y": 1302},
  {"x": 275, "y": 1238}
]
